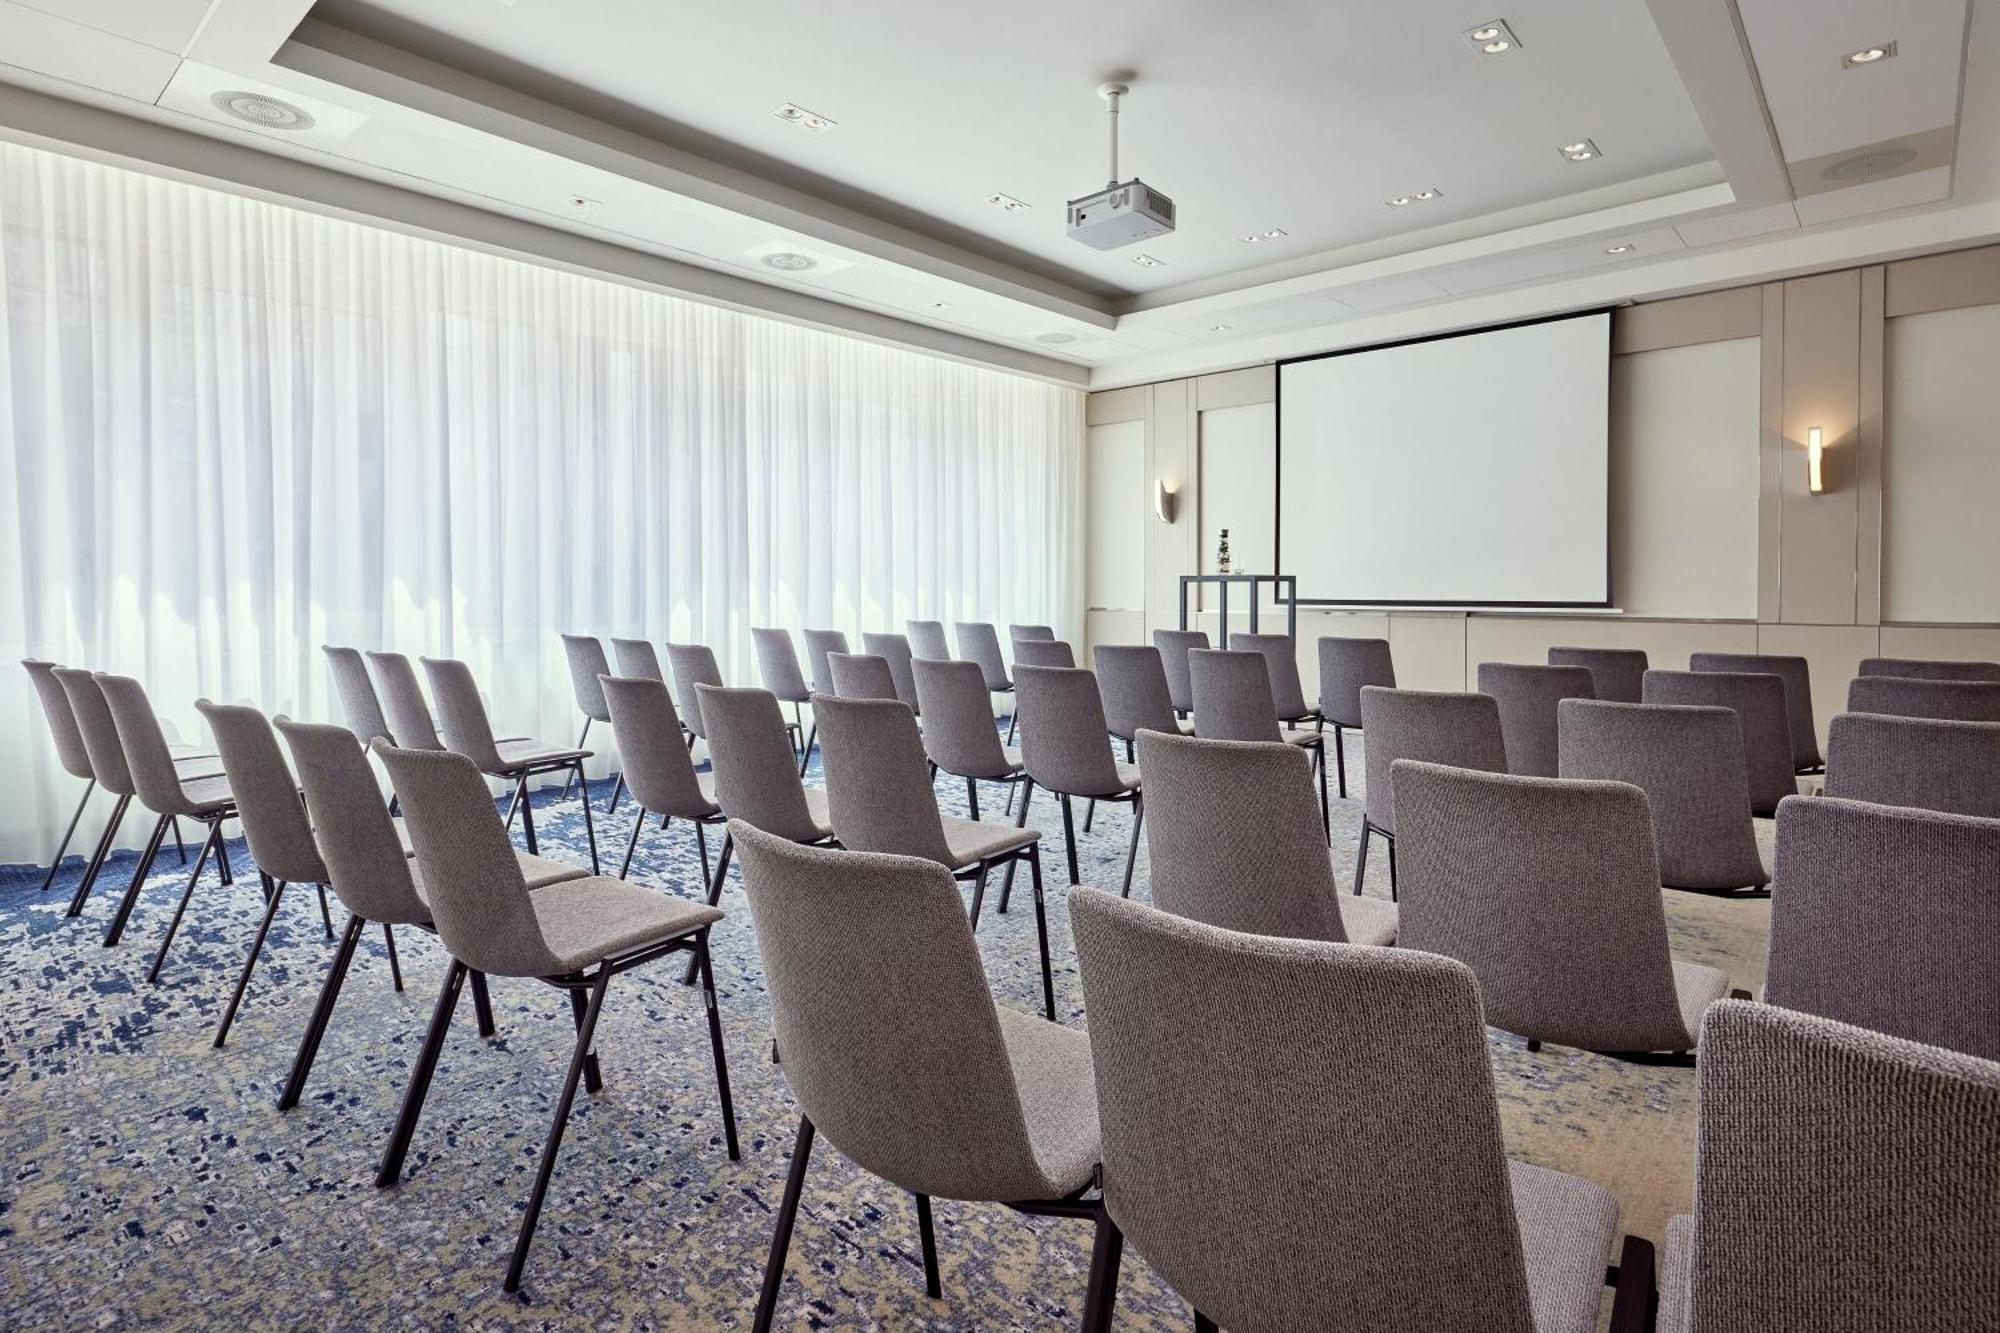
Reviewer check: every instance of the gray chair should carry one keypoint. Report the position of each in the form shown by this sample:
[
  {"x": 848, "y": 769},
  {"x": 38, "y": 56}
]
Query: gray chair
[
  {"x": 927, "y": 641},
  {"x": 1235, "y": 841},
  {"x": 1438, "y": 727},
  {"x": 1231, "y": 691},
  {"x": 1132, "y": 685},
  {"x": 820, "y": 643},
  {"x": 358, "y": 700},
  {"x": 410, "y": 722},
  {"x": 894, "y": 650},
  {"x": 576, "y": 936},
  {"x": 959, "y": 735},
  {"x": 1030, "y": 633},
  {"x": 70, "y": 751},
  {"x": 1064, "y": 751},
  {"x": 1617, "y": 675},
  {"x": 778, "y": 668},
  {"x": 465, "y": 729},
  {"x": 1689, "y": 762},
  {"x": 1758, "y": 698},
  {"x": 979, "y": 642},
  {"x": 913, "y": 1072},
  {"x": 1796, "y": 672},
  {"x": 1888, "y": 919},
  {"x": 692, "y": 664},
  {"x": 860, "y": 676},
  {"x": 658, "y": 767},
  {"x": 1288, "y": 691},
  {"x": 1174, "y": 646},
  {"x": 638, "y": 659},
  {"x": 1043, "y": 653},
  {"x": 1549, "y": 890},
  {"x": 1912, "y": 696},
  {"x": 1843, "y": 1181},
  {"x": 1927, "y": 763},
  {"x": 1528, "y": 697},
  {"x": 1308, "y": 1138},
  {"x": 1346, "y": 667},
  {"x": 881, "y": 801},
  {"x": 587, "y": 663},
  {"x": 1924, "y": 668}
]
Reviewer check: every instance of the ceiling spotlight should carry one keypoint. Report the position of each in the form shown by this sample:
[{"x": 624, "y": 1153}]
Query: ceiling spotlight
[
  {"x": 1275, "y": 233},
  {"x": 1492, "y": 38},
  {"x": 1218, "y": 328},
  {"x": 1252, "y": 239},
  {"x": 1258, "y": 237},
  {"x": 1581, "y": 151},
  {"x": 1426, "y": 194},
  {"x": 1147, "y": 261},
  {"x": 1868, "y": 55},
  {"x": 582, "y": 201},
  {"x": 940, "y": 305},
  {"x": 1617, "y": 249},
  {"x": 1006, "y": 202},
  {"x": 1400, "y": 201},
  {"x": 1418, "y": 197},
  {"x": 810, "y": 120}
]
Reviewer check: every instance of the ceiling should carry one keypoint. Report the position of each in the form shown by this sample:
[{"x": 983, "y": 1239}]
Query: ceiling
[{"x": 640, "y": 139}]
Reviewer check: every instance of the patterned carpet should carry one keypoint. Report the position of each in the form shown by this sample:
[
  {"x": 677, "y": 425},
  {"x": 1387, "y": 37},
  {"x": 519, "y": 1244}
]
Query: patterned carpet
[{"x": 151, "y": 1183}]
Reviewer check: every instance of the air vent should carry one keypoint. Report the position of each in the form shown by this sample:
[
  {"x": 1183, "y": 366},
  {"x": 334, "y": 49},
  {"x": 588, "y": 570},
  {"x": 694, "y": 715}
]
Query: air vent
[
  {"x": 1867, "y": 166},
  {"x": 790, "y": 261},
  {"x": 266, "y": 113}
]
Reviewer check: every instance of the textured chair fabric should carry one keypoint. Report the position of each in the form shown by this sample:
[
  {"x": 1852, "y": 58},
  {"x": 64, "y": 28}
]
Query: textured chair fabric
[
  {"x": 1689, "y": 762},
  {"x": 1797, "y": 675},
  {"x": 1758, "y": 699},
  {"x": 1030, "y": 633},
  {"x": 1234, "y": 840},
  {"x": 156, "y": 779},
  {"x": 927, "y": 640},
  {"x": 1288, "y": 691},
  {"x": 1928, "y": 763},
  {"x": 63, "y": 730},
  {"x": 778, "y": 665},
  {"x": 692, "y": 664},
  {"x": 98, "y": 730},
  {"x": 1910, "y": 696},
  {"x": 1843, "y": 1183},
  {"x": 911, "y": 1070},
  {"x": 1528, "y": 696},
  {"x": 1231, "y": 690},
  {"x": 1321, "y": 1149},
  {"x": 1174, "y": 646},
  {"x": 819, "y": 644},
  {"x": 1043, "y": 653},
  {"x": 1921, "y": 668},
  {"x": 267, "y": 798},
  {"x": 861, "y": 676},
  {"x": 1063, "y": 736},
  {"x": 367, "y": 868},
  {"x": 1346, "y": 667},
  {"x": 1617, "y": 675},
  {"x": 465, "y": 728},
  {"x": 1889, "y": 919},
  {"x": 585, "y": 655},
  {"x": 358, "y": 700},
  {"x": 658, "y": 768},
  {"x": 1132, "y": 685},
  {"x": 756, "y": 770},
  {"x": 1438, "y": 727},
  {"x": 894, "y": 649},
  {"x": 410, "y": 724},
  {"x": 980, "y": 642},
  {"x": 637, "y": 659},
  {"x": 959, "y": 735},
  {"x": 1548, "y": 889}
]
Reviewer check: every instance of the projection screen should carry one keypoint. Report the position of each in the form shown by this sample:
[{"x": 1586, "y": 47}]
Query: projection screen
[{"x": 1469, "y": 470}]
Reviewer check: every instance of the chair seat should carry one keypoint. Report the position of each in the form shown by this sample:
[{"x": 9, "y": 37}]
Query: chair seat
[
  {"x": 1697, "y": 986},
  {"x": 539, "y": 872},
  {"x": 972, "y": 841},
  {"x": 1676, "y": 1274},
  {"x": 205, "y": 794},
  {"x": 1567, "y": 1226},
  {"x": 590, "y": 918},
  {"x": 1128, "y": 780},
  {"x": 1307, "y": 739},
  {"x": 1058, "y": 1091},
  {"x": 525, "y": 752},
  {"x": 1367, "y": 920},
  {"x": 816, "y": 810}
]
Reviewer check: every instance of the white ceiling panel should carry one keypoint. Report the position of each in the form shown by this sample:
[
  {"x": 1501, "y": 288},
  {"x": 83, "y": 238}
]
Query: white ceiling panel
[
  {"x": 165, "y": 25},
  {"x": 34, "y": 39}
]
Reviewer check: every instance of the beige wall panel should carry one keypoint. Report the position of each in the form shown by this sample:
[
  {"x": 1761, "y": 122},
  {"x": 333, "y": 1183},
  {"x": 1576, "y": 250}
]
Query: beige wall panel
[
  {"x": 1868, "y": 454},
  {"x": 1944, "y": 282},
  {"x": 1817, "y": 532},
  {"x": 1710, "y": 317},
  {"x": 1314, "y": 625},
  {"x": 1109, "y": 405},
  {"x": 1833, "y": 655},
  {"x": 1111, "y": 627},
  {"x": 1667, "y": 643},
  {"x": 1115, "y": 516},
  {"x": 1771, "y": 453},
  {"x": 1239, "y": 469},
  {"x": 1236, "y": 388},
  {"x": 1949, "y": 643},
  {"x": 1429, "y": 650}
]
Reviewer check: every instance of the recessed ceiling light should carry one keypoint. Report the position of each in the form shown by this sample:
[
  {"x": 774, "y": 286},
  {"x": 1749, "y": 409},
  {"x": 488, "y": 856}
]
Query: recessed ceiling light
[
  {"x": 1492, "y": 38},
  {"x": 1258, "y": 237},
  {"x": 1583, "y": 150},
  {"x": 1400, "y": 201},
  {"x": 940, "y": 305},
  {"x": 798, "y": 115},
  {"x": 1055, "y": 339},
  {"x": 582, "y": 201},
  {"x": 1617, "y": 249},
  {"x": 790, "y": 261},
  {"x": 1275, "y": 233},
  {"x": 1252, "y": 239},
  {"x": 1868, "y": 55},
  {"x": 1147, "y": 261},
  {"x": 1416, "y": 197},
  {"x": 1006, "y": 202},
  {"x": 1218, "y": 328}
]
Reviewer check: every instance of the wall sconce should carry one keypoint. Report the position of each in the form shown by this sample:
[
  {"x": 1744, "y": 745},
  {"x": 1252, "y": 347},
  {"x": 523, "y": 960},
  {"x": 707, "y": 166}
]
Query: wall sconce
[
  {"x": 1164, "y": 497},
  {"x": 1815, "y": 482}
]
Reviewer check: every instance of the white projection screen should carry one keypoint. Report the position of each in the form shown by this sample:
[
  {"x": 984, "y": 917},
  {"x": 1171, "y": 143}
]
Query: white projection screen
[{"x": 1470, "y": 470}]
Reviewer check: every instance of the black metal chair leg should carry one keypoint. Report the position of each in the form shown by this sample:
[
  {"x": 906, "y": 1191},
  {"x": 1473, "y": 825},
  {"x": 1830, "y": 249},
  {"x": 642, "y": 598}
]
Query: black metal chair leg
[
  {"x": 482, "y": 1005},
  {"x": 979, "y": 891},
  {"x": 1132, "y": 852},
  {"x": 1203, "y": 1324},
  {"x": 714, "y": 898},
  {"x": 589, "y": 826},
  {"x": 715, "y": 1044},
  {"x": 1392, "y": 865},
  {"x": 927, "y": 1241},
  {"x": 325, "y": 912},
  {"x": 103, "y": 849},
  {"x": 805, "y": 760},
  {"x": 395, "y": 967},
  {"x": 1089, "y": 813},
  {"x": 295, "y": 1083},
  {"x": 972, "y": 799},
  {"x": 391, "y": 1170},
  {"x": 527, "y": 804},
  {"x": 116, "y": 930},
  {"x": 1027, "y": 786},
  {"x": 617, "y": 790},
  {"x": 1069, "y": 837},
  {"x": 63, "y": 847},
  {"x": 581, "y": 737},
  {"x": 1325, "y": 810},
  {"x": 1013, "y": 719},
  {"x": 1340, "y": 757},
  {"x": 173, "y": 927},
  {"x": 781, "y": 1234},
  {"x": 632, "y": 843},
  {"x": 586, "y": 1030},
  {"x": 1101, "y": 1295},
  {"x": 250, "y": 963},
  {"x": 227, "y": 871},
  {"x": 1042, "y": 934},
  {"x": 593, "y": 1078},
  {"x": 179, "y": 845},
  {"x": 1361, "y": 860},
  {"x": 701, "y": 841},
  {"x": 513, "y": 805}
]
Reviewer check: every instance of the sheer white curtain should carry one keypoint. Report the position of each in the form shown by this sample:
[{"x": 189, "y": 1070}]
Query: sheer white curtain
[{"x": 231, "y": 432}]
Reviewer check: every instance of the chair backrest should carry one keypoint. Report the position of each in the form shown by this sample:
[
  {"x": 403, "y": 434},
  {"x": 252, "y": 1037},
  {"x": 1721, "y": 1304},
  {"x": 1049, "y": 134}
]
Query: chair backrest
[
  {"x": 1796, "y": 672},
  {"x": 1029, "y": 633},
  {"x": 1843, "y": 1179},
  {"x": 1888, "y": 919},
  {"x": 861, "y": 676},
  {"x": 820, "y": 643},
  {"x": 1215, "y": 1101},
  {"x": 692, "y": 664},
  {"x": 1438, "y": 727},
  {"x": 410, "y": 723},
  {"x": 980, "y": 642},
  {"x": 1234, "y": 839},
  {"x": 1288, "y": 691},
  {"x": 1689, "y": 762},
  {"x": 637, "y": 659},
  {"x": 1549, "y": 890},
  {"x": 1043, "y": 653},
  {"x": 756, "y": 770},
  {"x": 1925, "y": 668},
  {"x": 655, "y": 760},
  {"x": 358, "y": 701},
  {"x": 63, "y": 730},
  {"x": 878, "y": 785},
  {"x": 1913, "y": 696},
  {"x": 926, "y": 1027},
  {"x": 958, "y": 719},
  {"x": 1174, "y": 646},
  {"x": 1346, "y": 667},
  {"x": 1617, "y": 675},
  {"x": 1132, "y": 685},
  {"x": 927, "y": 640},
  {"x": 894, "y": 649},
  {"x": 1528, "y": 696},
  {"x": 155, "y": 779},
  {"x": 1231, "y": 690},
  {"x": 366, "y": 867},
  {"x": 99, "y": 732},
  {"x": 1759, "y": 700},
  {"x": 1928, "y": 763},
  {"x": 778, "y": 665},
  {"x": 267, "y": 797},
  {"x": 472, "y": 878},
  {"x": 1065, "y": 746},
  {"x": 461, "y": 712},
  {"x": 585, "y": 655}
]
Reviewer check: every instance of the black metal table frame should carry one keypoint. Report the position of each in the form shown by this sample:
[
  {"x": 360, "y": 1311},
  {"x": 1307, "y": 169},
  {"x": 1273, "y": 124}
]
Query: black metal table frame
[{"x": 1289, "y": 597}]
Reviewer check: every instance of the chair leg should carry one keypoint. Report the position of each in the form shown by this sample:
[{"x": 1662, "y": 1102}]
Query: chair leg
[
  {"x": 1203, "y": 1324},
  {"x": 513, "y": 806},
  {"x": 1340, "y": 757},
  {"x": 1069, "y": 835},
  {"x": 482, "y": 1005},
  {"x": 972, "y": 799},
  {"x": 979, "y": 891},
  {"x": 179, "y": 845},
  {"x": 250, "y": 963},
  {"x": 589, "y": 827},
  {"x": 1027, "y": 786},
  {"x": 805, "y": 760},
  {"x": 116, "y": 930},
  {"x": 70, "y": 832},
  {"x": 586, "y": 1030},
  {"x": 617, "y": 790},
  {"x": 1101, "y": 1295},
  {"x": 701, "y": 841},
  {"x": 1390, "y": 838},
  {"x": 1042, "y": 933},
  {"x": 927, "y": 1239},
  {"x": 325, "y": 912},
  {"x": 214, "y": 840},
  {"x": 632, "y": 843},
  {"x": 715, "y": 1045},
  {"x": 714, "y": 898},
  {"x": 83, "y": 886},
  {"x": 1361, "y": 859},
  {"x": 1132, "y": 852},
  {"x": 295, "y": 1083},
  {"x": 526, "y": 802},
  {"x": 593, "y": 1077},
  {"x": 1013, "y": 720},
  {"x": 781, "y": 1234},
  {"x": 389, "y": 943},
  {"x": 581, "y": 737},
  {"x": 391, "y": 1170},
  {"x": 222, "y": 865},
  {"x": 1325, "y": 810}
]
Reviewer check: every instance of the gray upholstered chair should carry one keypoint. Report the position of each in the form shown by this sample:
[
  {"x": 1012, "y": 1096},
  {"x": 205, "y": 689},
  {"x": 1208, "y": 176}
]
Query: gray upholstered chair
[
  {"x": 1288, "y": 691},
  {"x": 959, "y": 735},
  {"x": 70, "y": 753},
  {"x": 358, "y": 700},
  {"x": 1689, "y": 762},
  {"x": 1345, "y": 667},
  {"x": 1928, "y": 763},
  {"x": 1438, "y": 727},
  {"x": 1065, "y": 751},
  {"x": 1843, "y": 1181},
  {"x": 1231, "y": 691},
  {"x": 820, "y": 643},
  {"x": 576, "y": 935},
  {"x": 638, "y": 659},
  {"x": 1235, "y": 841},
  {"x": 1308, "y": 1138},
  {"x": 1617, "y": 675},
  {"x": 658, "y": 767},
  {"x": 1888, "y": 919},
  {"x": 927, "y": 641},
  {"x": 410, "y": 722},
  {"x": 912, "y": 1072},
  {"x": 1924, "y": 668},
  {"x": 587, "y": 663},
  {"x": 1043, "y": 653},
  {"x": 1796, "y": 672},
  {"x": 1174, "y": 646},
  {"x": 778, "y": 668},
  {"x": 1132, "y": 685},
  {"x": 894, "y": 650},
  {"x": 1030, "y": 633},
  {"x": 1528, "y": 696},
  {"x": 1758, "y": 697},
  {"x": 859, "y": 676},
  {"x": 465, "y": 729},
  {"x": 980, "y": 642},
  {"x": 1914, "y": 696},
  {"x": 692, "y": 664},
  {"x": 1549, "y": 890},
  {"x": 881, "y": 801}
]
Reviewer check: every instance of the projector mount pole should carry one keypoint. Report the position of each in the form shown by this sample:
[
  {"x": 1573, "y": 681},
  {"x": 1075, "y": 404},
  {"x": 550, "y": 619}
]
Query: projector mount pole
[{"x": 1111, "y": 92}]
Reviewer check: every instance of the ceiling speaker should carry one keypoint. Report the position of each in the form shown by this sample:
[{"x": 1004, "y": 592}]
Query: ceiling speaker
[
  {"x": 1865, "y": 166},
  {"x": 266, "y": 113}
]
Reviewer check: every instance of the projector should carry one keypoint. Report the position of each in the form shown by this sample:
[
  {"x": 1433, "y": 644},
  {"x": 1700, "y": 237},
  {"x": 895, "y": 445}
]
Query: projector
[{"x": 1119, "y": 215}]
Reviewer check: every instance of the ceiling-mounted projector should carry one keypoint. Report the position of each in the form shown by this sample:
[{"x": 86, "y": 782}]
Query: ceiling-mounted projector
[{"x": 1121, "y": 212}]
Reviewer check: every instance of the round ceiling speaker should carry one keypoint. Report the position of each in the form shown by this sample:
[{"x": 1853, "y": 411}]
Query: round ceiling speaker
[
  {"x": 1864, "y": 165},
  {"x": 266, "y": 113},
  {"x": 1055, "y": 339},
  {"x": 790, "y": 261}
]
